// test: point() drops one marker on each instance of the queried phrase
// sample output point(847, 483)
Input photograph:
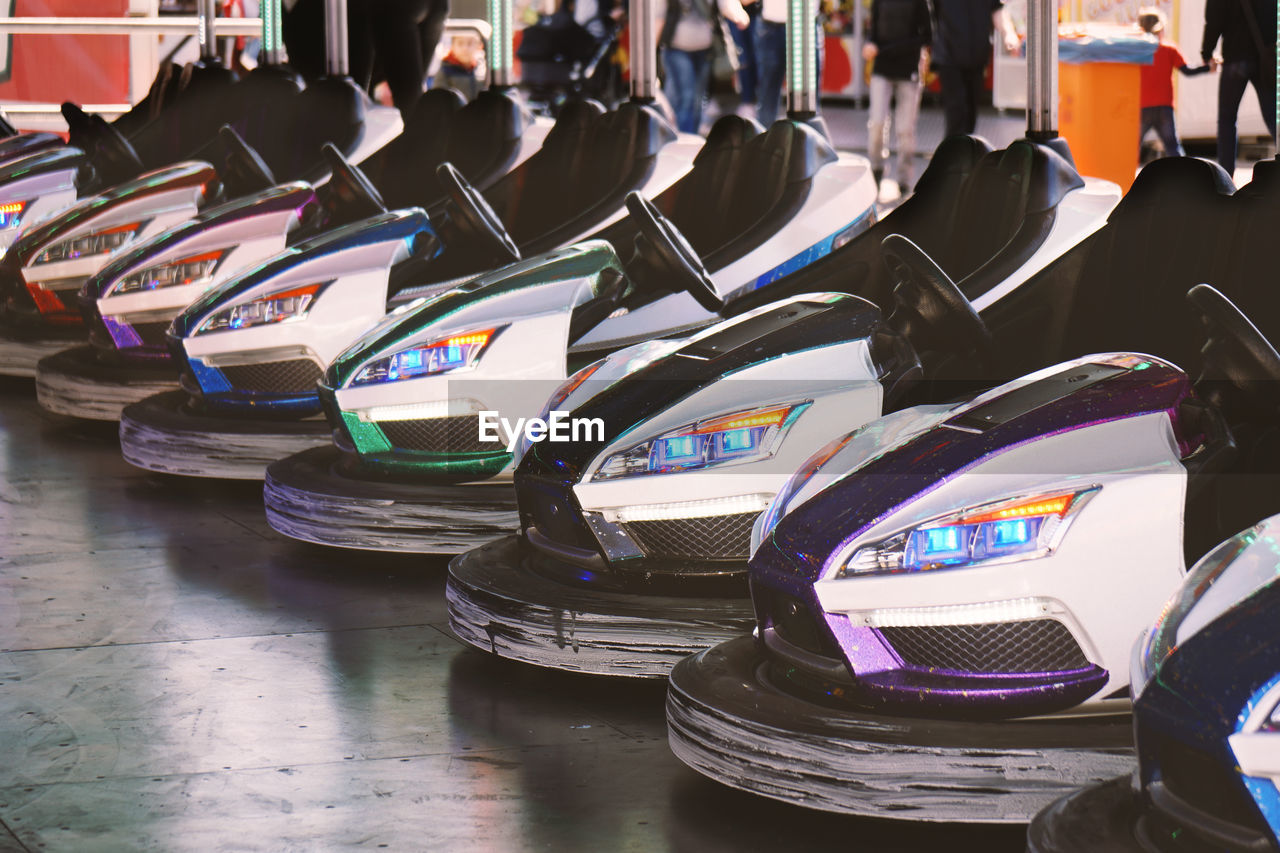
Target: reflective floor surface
point(175, 676)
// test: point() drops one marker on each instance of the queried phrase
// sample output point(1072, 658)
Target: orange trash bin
point(1099, 109)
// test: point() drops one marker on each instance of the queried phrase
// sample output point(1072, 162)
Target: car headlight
point(291, 304)
point(196, 269)
point(744, 436)
point(93, 243)
point(11, 214)
point(553, 402)
point(446, 355)
point(1022, 528)
point(1162, 639)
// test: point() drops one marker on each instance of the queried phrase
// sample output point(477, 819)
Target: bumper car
point(405, 447)
point(602, 541)
point(45, 268)
point(1206, 719)
point(129, 303)
point(810, 177)
point(945, 598)
point(266, 108)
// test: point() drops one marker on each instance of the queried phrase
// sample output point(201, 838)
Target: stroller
point(561, 60)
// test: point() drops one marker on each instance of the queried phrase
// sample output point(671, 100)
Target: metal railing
point(33, 116)
point(181, 25)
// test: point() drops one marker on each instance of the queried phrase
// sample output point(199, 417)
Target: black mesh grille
point(439, 435)
point(152, 334)
point(1205, 784)
point(294, 375)
point(716, 537)
point(1037, 645)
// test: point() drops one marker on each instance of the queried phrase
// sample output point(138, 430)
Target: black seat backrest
point(330, 109)
point(404, 171)
point(697, 204)
point(1250, 259)
point(1020, 198)
point(486, 136)
point(617, 151)
point(857, 267)
point(164, 88)
point(771, 185)
point(1006, 190)
point(1170, 232)
point(557, 162)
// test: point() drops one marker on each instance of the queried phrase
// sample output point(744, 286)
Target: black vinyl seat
point(582, 173)
point(1008, 208)
point(928, 219)
point(764, 194)
point(698, 203)
point(481, 138)
point(1125, 288)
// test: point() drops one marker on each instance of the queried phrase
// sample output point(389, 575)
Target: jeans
point(961, 88)
point(771, 59)
point(687, 73)
point(1232, 80)
point(907, 108)
point(1161, 118)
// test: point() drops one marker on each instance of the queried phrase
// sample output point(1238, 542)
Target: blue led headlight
point(446, 355)
point(1023, 528)
point(743, 436)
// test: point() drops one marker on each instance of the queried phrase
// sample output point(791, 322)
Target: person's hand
point(1215, 64)
point(923, 68)
point(869, 51)
point(740, 19)
point(1012, 44)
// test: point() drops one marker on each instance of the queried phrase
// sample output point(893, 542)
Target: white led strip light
point(421, 411)
point(734, 505)
point(1013, 610)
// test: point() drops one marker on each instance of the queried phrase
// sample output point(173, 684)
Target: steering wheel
point(1234, 349)
point(474, 216)
point(674, 253)
point(928, 307)
point(349, 188)
point(243, 167)
point(113, 157)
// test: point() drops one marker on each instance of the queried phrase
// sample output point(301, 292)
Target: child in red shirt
point(1157, 84)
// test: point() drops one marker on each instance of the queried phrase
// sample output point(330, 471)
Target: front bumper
point(732, 718)
point(325, 496)
point(163, 433)
point(500, 602)
point(84, 382)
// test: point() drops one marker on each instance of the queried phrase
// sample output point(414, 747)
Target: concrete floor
point(175, 676)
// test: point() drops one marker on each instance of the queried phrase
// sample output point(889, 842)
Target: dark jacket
point(962, 32)
point(899, 28)
point(1226, 19)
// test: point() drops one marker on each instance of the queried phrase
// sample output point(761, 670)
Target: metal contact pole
point(337, 60)
point(802, 59)
point(1042, 70)
point(644, 51)
point(206, 36)
point(501, 57)
point(272, 49)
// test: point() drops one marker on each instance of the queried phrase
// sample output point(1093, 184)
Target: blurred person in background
point(391, 40)
point(690, 29)
point(1247, 29)
point(961, 50)
point(898, 48)
point(1156, 97)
